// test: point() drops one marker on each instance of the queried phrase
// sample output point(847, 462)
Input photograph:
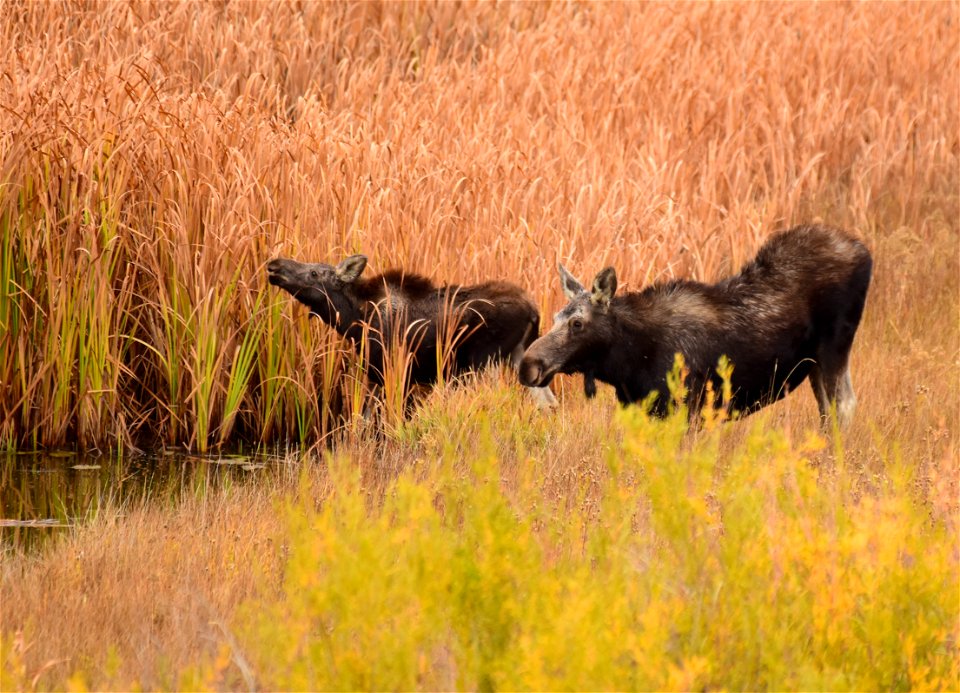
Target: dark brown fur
point(489, 322)
point(790, 314)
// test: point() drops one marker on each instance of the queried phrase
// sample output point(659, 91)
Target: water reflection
point(44, 493)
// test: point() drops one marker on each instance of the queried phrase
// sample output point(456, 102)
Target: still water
point(43, 494)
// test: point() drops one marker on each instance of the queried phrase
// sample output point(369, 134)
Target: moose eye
point(576, 324)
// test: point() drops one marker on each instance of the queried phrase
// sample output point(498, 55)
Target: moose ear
point(571, 287)
point(604, 287)
point(350, 269)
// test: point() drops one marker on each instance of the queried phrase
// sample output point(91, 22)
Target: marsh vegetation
point(155, 157)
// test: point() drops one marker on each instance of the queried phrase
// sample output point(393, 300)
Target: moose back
point(789, 315)
point(460, 328)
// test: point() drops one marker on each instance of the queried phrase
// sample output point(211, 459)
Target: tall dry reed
point(154, 156)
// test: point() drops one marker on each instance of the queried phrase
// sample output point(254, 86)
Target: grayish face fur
point(295, 277)
point(324, 289)
point(577, 329)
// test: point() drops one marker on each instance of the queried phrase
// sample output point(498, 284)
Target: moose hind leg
point(846, 399)
point(817, 382)
point(834, 386)
point(834, 353)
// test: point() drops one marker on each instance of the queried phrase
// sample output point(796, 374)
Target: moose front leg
point(589, 385)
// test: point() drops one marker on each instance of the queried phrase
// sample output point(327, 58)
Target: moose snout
point(275, 270)
point(531, 372)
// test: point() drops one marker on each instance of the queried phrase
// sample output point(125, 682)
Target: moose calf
point(484, 323)
point(791, 313)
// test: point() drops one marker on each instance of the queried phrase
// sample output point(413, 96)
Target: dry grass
point(153, 157)
point(146, 180)
point(161, 596)
point(145, 575)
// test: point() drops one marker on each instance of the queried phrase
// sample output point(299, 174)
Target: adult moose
point(484, 323)
point(791, 313)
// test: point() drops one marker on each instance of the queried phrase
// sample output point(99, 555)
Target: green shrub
point(764, 566)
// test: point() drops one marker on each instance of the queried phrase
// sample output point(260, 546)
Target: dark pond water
point(44, 494)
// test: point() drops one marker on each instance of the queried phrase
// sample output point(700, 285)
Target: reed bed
point(150, 170)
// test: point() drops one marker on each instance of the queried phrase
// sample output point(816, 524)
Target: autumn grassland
point(153, 158)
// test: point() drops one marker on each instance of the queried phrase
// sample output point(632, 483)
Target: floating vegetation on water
point(49, 522)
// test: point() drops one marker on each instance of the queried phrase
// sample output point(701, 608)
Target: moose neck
point(338, 309)
point(627, 359)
